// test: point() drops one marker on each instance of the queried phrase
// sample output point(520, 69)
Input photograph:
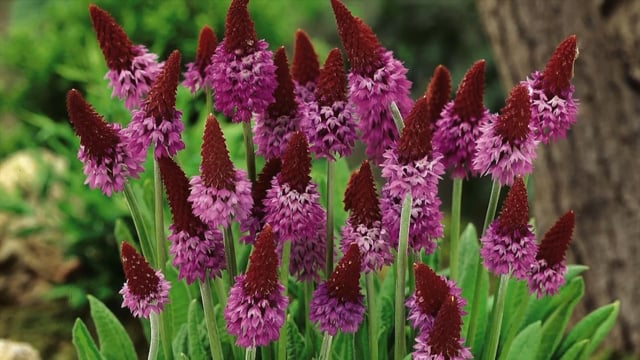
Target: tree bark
point(596, 170)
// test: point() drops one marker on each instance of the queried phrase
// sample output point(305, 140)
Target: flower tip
point(262, 275)
point(554, 245)
point(161, 100)
point(431, 289)
point(468, 102)
point(361, 197)
point(332, 82)
point(559, 69)
point(438, 91)
point(305, 67)
point(97, 138)
point(515, 210)
point(114, 42)
point(513, 121)
point(217, 169)
point(141, 278)
point(240, 33)
point(296, 163)
point(444, 338)
point(285, 103)
point(177, 187)
point(415, 140)
point(343, 282)
point(207, 42)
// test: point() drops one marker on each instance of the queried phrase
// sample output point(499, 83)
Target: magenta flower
point(458, 128)
point(293, 209)
point(255, 309)
point(145, 290)
point(198, 250)
point(431, 293)
point(158, 122)
point(437, 93)
point(337, 304)
point(553, 107)
point(376, 80)
point(132, 69)
point(221, 194)
point(506, 147)
point(255, 221)
point(548, 271)
point(104, 148)
point(195, 78)
point(241, 70)
point(274, 126)
point(508, 244)
point(364, 225)
point(413, 167)
point(305, 68)
point(329, 118)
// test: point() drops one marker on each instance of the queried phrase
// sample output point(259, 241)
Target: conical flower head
point(114, 42)
point(285, 104)
point(217, 168)
point(515, 210)
point(559, 69)
point(360, 197)
point(161, 102)
point(438, 92)
point(443, 341)
point(255, 222)
point(468, 102)
point(431, 289)
point(296, 163)
point(343, 282)
point(177, 187)
point(195, 78)
point(240, 33)
point(415, 140)
point(332, 82)
point(262, 274)
point(96, 136)
point(513, 121)
point(305, 67)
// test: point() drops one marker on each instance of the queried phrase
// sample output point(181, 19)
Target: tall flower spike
point(458, 128)
point(508, 245)
point(412, 167)
point(274, 127)
point(145, 290)
point(198, 251)
point(159, 122)
point(548, 271)
point(104, 149)
point(221, 194)
point(364, 225)
point(195, 76)
point(553, 107)
point(255, 222)
point(329, 120)
point(506, 147)
point(293, 209)
point(376, 80)
point(241, 72)
point(305, 68)
point(132, 69)
point(432, 290)
point(337, 304)
point(255, 310)
point(438, 93)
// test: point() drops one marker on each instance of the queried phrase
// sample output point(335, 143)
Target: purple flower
point(376, 80)
point(241, 72)
point(255, 309)
point(305, 68)
point(508, 244)
point(255, 221)
point(195, 76)
point(145, 290)
point(198, 251)
point(506, 148)
point(548, 271)
point(158, 122)
point(104, 148)
point(132, 69)
point(337, 303)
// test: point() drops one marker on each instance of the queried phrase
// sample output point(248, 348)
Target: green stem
point(284, 280)
point(325, 350)
point(330, 205)
point(139, 223)
point(250, 354)
point(266, 352)
point(230, 253)
point(496, 319)
point(401, 263)
point(397, 117)
point(250, 154)
point(153, 346)
point(456, 201)
point(209, 100)
point(161, 252)
point(210, 320)
point(475, 304)
point(372, 317)
point(221, 294)
point(308, 293)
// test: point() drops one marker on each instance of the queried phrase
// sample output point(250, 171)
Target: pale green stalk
point(153, 345)
point(210, 320)
point(161, 252)
point(372, 317)
point(307, 294)
point(139, 223)
point(401, 266)
point(208, 100)
point(250, 354)
point(325, 350)
point(330, 205)
point(284, 279)
point(249, 150)
point(397, 117)
point(496, 319)
point(456, 200)
point(230, 253)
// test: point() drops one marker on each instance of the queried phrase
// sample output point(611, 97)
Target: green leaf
point(595, 326)
point(196, 348)
point(180, 298)
point(122, 233)
point(114, 342)
point(83, 342)
point(577, 351)
point(295, 340)
point(574, 270)
point(514, 311)
point(526, 344)
point(541, 309)
point(179, 343)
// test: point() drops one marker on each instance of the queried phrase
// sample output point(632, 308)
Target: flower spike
point(438, 93)
point(468, 102)
point(255, 222)
point(513, 122)
point(195, 76)
point(415, 140)
point(240, 33)
point(296, 161)
point(305, 67)
point(559, 69)
point(114, 42)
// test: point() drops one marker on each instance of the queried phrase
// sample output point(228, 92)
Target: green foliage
point(85, 346)
point(114, 342)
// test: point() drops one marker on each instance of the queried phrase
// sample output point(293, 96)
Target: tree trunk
point(596, 170)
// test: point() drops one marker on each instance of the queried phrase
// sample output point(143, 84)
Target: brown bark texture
point(596, 170)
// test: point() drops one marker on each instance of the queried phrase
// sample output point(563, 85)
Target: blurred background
point(57, 241)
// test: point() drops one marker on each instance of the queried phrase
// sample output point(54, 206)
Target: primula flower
point(145, 290)
point(305, 68)
point(195, 78)
point(132, 69)
point(198, 250)
point(508, 244)
point(432, 291)
point(158, 122)
point(337, 304)
point(275, 125)
point(506, 147)
point(437, 93)
point(413, 167)
point(458, 128)
point(241, 72)
point(553, 107)
point(255, 310)
point(221, 194)
point(329, 120)
point(104, 148)
point(293, 209)
point(376, 80)
point(255, 221)
point(443, 341)
point(548, 271)
point(364, 225)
